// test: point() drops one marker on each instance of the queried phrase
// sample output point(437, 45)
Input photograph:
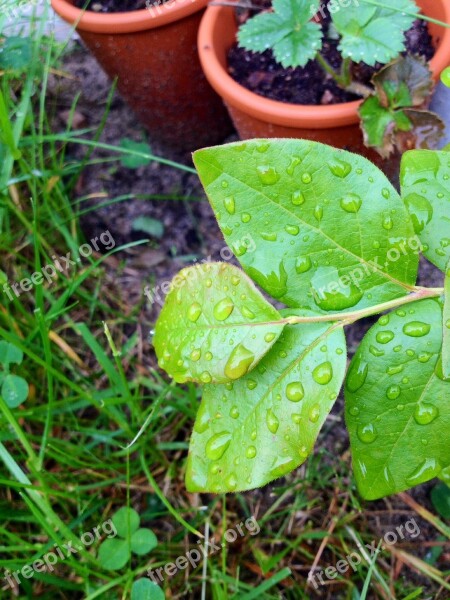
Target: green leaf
point(446, 327)
point(397, 408)
point(131, 161)
point(144, 589)
point(143, 541)
point(440, 497)
point(265, 424)
point(288, 31)
point(425, 177)
point(326, 226)
point(113, 554)
point(14, 390)
point(445, 77)
point(215, 325)
point(150, 226)
point(16, 53)
point(10, 354)
point(126, 521)
point(372, 34)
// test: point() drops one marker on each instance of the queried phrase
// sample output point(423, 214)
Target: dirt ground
point(191, 233)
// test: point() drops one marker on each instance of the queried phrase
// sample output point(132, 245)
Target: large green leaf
point(397, 402)
point(329, 232)
point(265, 425)
point(288, 31)
point(425, 181)
point(212, 328)
point(372, 34)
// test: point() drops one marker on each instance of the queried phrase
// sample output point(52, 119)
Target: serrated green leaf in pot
point(264, 425)
point(397, 402)
point(325, 223)
point(215, 325)
point(425, 184)
point(372, 34)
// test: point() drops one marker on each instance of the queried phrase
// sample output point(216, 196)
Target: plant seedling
point(114, 553)
point(395, 107)
point(14, 389)
point(334, 242)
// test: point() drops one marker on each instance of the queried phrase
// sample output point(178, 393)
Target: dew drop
point(252, 384)
point(295, 391)
point(247, 313)
point(246, 217)
point(217, 445)
point(394, 370)
point(340, 168)
point(357, 375)
point(429, 469)
point(314, 413)
point(367, 433)
point(384, 337)
point(232, 482)
point(425, 413)
point(234, 412)
point(239, 362)
point(388, 223)
point(195, 355)
point(268, 175)
point(269, 337)
point(251, 452)
point(420, 210)
point(272, 421)
point(416, 329)
point(354, 411)
point(205, 377)
point(223, 309)
point(393, 392)
point(303, 264)
point(386, 193)
point(351, 203)
point(318, 213)
point(269, 237)
point(298, 198)
point(295, 161)
point(292, 229)
point(194, 312)
point(230, 205)
point(307, 178)
point(323, 374)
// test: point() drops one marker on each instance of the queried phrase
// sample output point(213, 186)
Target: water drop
point(217, 445)
point(292, 229)
point(239, 362)
point(232, 482)
point(194, 312)
point(295, 161)
point(272, 421)
point(416, 329)
point(367, 433)
point(357, 375)
point(298, 198)
point(393, 392)
point(251, 452)
point(384, 337)
point(246, 217)
point(340, 168)
point(252, 384)
point(202, 420)
point(386, 193)
point(425, 413)
point(247, 313)
point(429, 469)
point(303, 264)
point(351, 203)
point(295, 391)
point(318, 213)
point(314, 413)
point(268, 175)
point(205, 377)
point(269, 337)
point(230, 205)
point(354, 411)
point(223, 309)
point(195, 355)
point(306, 178)
point(323, 374)
point(388, 223)
point(234, 412)
point(420, 210)
point(394, 370)
point(269, 237)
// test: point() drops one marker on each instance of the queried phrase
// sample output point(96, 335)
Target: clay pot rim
point(126, 22)
point(280, 113)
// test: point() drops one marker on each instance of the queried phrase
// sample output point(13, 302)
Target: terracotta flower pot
point(153, 53)
point(255, 116)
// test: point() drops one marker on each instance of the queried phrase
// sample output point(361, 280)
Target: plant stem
point(419, 294)
point(329, 69)
point(407, 12)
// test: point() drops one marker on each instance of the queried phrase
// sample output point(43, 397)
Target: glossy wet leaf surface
point(425, 182)
point(209, 329)
point(265, 424)
point(397, 402)
point(446, 327)
point(329, 232)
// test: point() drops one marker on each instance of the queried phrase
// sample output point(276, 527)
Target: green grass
point(102, 429)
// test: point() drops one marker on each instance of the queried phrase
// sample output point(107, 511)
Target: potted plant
point(153, 54)
point(323, 232)
point(296, 38)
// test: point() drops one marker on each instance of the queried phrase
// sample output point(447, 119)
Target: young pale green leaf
point(14, 390)
point(263, 426)
point(143, 541)
point(288, 31)
point(113, 554)
point(215, 325)
point(446, 327)
point(145, 589)
point(10, 354)
point(328, 230)
point(425, 182)
point(372, 34)
point(397, 408)
point(126, 521)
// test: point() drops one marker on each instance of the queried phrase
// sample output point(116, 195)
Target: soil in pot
point(113, 6)
point(261, 74)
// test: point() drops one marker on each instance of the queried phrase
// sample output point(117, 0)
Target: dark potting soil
point(260, 73)
point(116, 6)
